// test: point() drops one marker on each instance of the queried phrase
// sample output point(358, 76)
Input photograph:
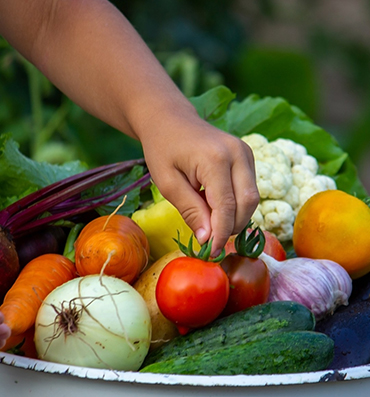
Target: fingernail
point(216, 253)
point(201, 235)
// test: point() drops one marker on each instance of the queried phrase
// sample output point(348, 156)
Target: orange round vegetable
point(115, 242)
point(36, 280)
point(334, 225)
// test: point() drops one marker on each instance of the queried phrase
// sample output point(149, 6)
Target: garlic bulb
point(320, 285)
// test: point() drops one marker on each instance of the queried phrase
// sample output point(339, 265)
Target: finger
point(191, 205)
point(233, 196)
point(245, 190)
point(221, 199)
point(4, 332)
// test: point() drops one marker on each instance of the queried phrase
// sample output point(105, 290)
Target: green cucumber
point(247, 325)
point(277, 353)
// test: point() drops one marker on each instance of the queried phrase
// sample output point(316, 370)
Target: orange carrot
point(115, 242)
point(36, 280)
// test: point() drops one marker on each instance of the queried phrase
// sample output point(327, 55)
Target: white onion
point(320, 285)
point(111, 326)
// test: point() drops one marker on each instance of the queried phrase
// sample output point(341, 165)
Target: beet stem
point(24, 216)
point(50, 192)
point(20, 229)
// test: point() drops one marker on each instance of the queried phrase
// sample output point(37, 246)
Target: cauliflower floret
point(292, 197)
point(308, 183)
point(301, 175)
point(273, 170)
point(278, 217)
point(271, 182)
point(271, 154)
point(294, 151)
point(297, 154)
point(255, 141)
point(317, 184)
point(311, 163)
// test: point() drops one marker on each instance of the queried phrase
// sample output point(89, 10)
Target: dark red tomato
point(191, 292)
point(249, 282)
point(273, 246)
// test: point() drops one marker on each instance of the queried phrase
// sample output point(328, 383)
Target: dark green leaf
point(124, 180)
point(20, 174)
point(268, 116)
point(213, 104)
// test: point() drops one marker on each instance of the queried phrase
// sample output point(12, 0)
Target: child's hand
point(185, 153)
point(4, 331)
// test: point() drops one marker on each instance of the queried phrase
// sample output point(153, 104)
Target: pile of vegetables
point(128, 288)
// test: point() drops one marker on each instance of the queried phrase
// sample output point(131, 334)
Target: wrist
point(162, 117)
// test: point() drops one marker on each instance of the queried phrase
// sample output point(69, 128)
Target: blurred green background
point(314, 53)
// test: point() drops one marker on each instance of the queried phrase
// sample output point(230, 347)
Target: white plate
point(21, 376)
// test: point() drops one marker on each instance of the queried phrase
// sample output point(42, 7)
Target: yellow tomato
point(335, 225)
point(160, 222)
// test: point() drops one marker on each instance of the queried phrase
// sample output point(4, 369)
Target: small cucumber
point(278, 353)
point(247, 325)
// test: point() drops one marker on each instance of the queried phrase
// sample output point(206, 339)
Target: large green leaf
point(213, 104)
point(268, 116)
point(20, 175)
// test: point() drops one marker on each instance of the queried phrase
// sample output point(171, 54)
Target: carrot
point(36, 280)
point(114, 242)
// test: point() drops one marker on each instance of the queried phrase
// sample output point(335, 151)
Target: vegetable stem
point(251, 246)
point(72, 211)
point(204, 253)
point(69, 250)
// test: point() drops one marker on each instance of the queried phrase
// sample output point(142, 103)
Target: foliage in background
point(354, 58)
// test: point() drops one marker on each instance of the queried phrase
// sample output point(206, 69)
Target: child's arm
point(89, 50)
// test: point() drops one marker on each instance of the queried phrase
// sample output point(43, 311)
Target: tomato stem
point(204, 253)
point(253, 245)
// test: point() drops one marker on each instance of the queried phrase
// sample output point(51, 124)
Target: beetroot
point(50, 239)
point(9, 263)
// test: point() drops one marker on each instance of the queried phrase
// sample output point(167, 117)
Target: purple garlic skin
point(320, 285)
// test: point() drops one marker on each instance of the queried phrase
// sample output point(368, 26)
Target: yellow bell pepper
point(161, 222)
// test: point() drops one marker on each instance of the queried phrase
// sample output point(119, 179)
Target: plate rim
point(325, 376)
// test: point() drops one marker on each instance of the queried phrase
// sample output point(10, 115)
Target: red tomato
point(273, 246)
point(191, 292)
point(249, 282)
